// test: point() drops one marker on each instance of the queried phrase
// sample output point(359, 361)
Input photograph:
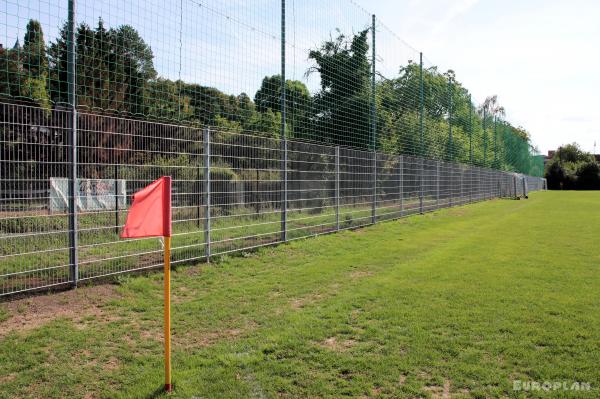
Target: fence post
point(374, 199)
point(437, 184)
point(484, 137)
point(421, 141)
point(470, 130)
point(480, 184)
point(207, 189)
point(421, 185)
point(73, 191)
point(471, 183)
point(495, 143)
point(515, 185)
point(199, 190)
point(284, 194)
point(462, 178)
point(337, 187)
point(401, 175)
point(373, 123)
point(450, 142)
point(116, 199)
point(525, 193)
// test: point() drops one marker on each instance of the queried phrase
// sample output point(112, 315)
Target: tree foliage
point(116, 74)
point(571, 168)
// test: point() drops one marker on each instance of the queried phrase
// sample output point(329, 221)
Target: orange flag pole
point(167, 260)
point(150, 216)
point(167, 294)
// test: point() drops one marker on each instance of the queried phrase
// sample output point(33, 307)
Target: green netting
point(349, 80)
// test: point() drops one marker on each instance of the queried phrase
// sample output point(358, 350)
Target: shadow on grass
point(159, 393)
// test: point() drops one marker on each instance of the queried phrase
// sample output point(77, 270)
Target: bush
point(588, 176)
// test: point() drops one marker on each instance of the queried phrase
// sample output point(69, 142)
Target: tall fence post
point(207, 190)
point(401, 175)
point(450, 142)
point(337, 187)
point(421, 141)
point(470, 130)
point(525, 193)
point(284, 199)
point(421, 170)
point(515, 185)
point(284, 193)
point(73, 191)
point(484, 137)
point(373, 124)
point(495, 143)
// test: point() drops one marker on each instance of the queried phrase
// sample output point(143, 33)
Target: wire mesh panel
point(119, 156)
point(246, 191)
point(356, 187)
point(388, 187)
point(411, 179)
point(311, 182)
point(34, 212)
point(276, 119)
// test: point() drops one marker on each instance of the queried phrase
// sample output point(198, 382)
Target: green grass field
point(456, 303)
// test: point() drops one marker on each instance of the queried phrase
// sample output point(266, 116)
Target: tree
point(298, 104)
point(572, 168)
point(114, 68)
point(588, 176)
point(342, 106)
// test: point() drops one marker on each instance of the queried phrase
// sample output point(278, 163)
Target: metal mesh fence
point(347, 126)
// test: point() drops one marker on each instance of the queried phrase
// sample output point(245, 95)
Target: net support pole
point(337, 187)
point(284, 154)
point(421, 143)
point(450, 142)
point(470, 149)
point(421, 172)
point(207, 194)
point(72, 95)
point(484, 138)
point(495, 143)
point(373, 123)
point(284, 190)
point(470, 130)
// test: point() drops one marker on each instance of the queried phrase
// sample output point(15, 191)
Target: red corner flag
point(150, 216)
point(150, 212)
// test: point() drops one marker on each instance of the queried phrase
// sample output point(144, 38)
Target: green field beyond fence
point(460, 302)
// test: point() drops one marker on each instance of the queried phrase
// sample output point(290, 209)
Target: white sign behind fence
point(92, 194)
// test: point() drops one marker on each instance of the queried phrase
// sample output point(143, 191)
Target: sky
point(539, 57)
point(542, 58)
